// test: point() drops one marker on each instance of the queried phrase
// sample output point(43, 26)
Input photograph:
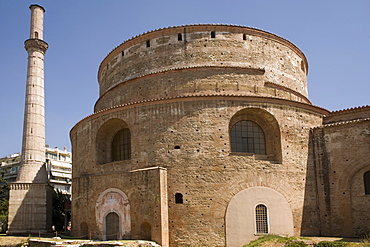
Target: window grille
point(247, 137)
point(121, 145)
point(261, 219)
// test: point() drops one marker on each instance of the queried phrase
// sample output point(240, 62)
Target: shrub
point(330, 244)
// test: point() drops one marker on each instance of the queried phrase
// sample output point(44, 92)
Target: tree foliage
point(4, 203)
point(59, 214)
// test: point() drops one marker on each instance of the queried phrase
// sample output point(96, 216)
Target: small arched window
point(148, 43)
point(213, 34)
point(247, 137)
point(179, 37)
point(121, 145)
point(36, 35)
point(367, 182)
point(261, 219)
point(178, 198)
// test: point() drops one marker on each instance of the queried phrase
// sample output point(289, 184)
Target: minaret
point(30, 195)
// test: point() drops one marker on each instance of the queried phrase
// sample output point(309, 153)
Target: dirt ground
point(11, 240)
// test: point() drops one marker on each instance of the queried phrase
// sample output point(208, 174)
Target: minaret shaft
point(33, 145)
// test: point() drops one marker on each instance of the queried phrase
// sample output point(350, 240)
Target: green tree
point(58, 209)
point(4, 203)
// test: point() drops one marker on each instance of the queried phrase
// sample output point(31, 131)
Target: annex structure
point(204, 135)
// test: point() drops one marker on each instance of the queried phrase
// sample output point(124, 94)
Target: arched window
point(36, 35)
point(247, 137)
point(367, 182)
point(213, 34)
point(261, 219)
point(179, 37)
point(178, 198)
point(121, 145)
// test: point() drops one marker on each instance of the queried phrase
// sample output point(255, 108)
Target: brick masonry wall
point(341, 159)
point(203, 166)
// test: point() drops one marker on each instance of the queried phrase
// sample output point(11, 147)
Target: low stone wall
point(87, 243)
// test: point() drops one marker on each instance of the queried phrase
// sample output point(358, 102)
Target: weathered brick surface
point(180, 99)
point(341, 159)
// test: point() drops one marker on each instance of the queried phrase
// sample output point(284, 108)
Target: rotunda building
point(200, 137)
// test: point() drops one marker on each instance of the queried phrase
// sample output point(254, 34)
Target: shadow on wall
point(311, 225)
point(30, 206)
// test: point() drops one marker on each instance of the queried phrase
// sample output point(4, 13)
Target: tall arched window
point(261, 219)
point(367, 182)
point(247, 137)
point(121, 145)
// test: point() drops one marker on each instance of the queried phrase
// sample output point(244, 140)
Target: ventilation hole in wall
point(196, 176)
point(344, 193)
point(213, 34)
point(205, 45)
point(200, 167)
point(198, 150)
point(244, 36)
point(219, 129)
point(220, 115)
point(322, 184)
point(220, 136)
point(225, 167)
point(334, 171)
point(326, 215)
point(196, 130)
point(332, 183)
point(346, 160)
point(171, 131)
point(148, 43)
point(177, 147)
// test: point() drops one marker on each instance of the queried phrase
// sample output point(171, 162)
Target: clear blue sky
point(333, 34)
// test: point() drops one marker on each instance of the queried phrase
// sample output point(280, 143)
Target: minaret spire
point(30, 196)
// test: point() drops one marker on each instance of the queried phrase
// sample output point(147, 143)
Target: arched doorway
point(112, 212)
point(112, 226)
point(146, 231)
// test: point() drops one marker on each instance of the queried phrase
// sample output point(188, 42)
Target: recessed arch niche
point(269, 125)
point(104, 139)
